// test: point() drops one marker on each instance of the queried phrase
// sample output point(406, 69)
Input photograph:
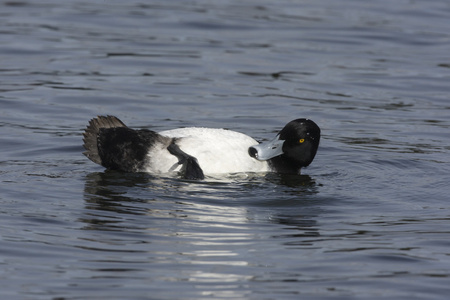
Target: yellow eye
point(301, 140)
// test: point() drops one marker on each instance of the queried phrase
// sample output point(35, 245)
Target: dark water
point(369, 219)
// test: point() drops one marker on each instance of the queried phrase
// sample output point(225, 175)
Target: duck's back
point(217, 150)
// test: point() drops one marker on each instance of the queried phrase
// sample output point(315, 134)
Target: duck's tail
point(90, 135)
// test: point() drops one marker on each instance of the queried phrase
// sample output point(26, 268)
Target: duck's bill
point(267, 150)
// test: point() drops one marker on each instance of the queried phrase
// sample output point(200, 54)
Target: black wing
point(191, 168)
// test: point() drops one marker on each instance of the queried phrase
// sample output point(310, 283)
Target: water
point(369, 219)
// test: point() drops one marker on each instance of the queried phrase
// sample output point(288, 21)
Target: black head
point(294, 147)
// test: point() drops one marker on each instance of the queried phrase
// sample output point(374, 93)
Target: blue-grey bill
point(267, 150)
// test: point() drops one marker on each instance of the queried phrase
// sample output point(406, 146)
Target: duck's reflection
point(210, 229)
point(108, 191)
point(284, 199)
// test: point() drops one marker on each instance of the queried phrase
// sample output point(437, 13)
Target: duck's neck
point(284, 165)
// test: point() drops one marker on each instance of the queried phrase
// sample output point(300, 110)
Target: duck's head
point(293, 147)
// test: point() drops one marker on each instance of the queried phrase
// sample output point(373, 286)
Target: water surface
point(369, 219)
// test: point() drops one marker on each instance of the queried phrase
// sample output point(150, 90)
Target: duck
point(194, 152)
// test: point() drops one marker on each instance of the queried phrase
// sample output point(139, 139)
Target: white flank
point(217, 151)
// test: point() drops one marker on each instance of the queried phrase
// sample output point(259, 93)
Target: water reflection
point(160, 197)
point(204, 232)
point(230, 201)
point(183, 237)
